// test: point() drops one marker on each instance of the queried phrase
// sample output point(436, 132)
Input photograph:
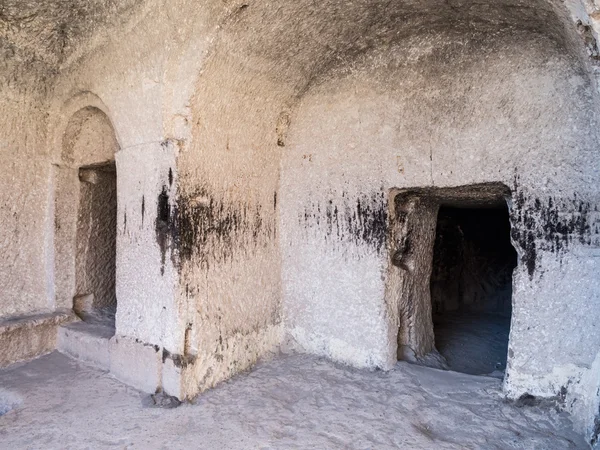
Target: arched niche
point(85, 212)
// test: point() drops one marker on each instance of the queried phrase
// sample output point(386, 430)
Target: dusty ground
point(290, 402)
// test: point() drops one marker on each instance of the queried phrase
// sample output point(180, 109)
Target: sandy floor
point(475, 343)
point(290, 402)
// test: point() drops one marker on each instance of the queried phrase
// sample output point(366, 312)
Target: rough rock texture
point(413, 233)
point(257, 146)
point(84, 209)
point(23, 185)
point(89, 342)
point(95, 259)
point(386, 124)
point(413, 237)
point(26, 337)
point(146, 277)
point(56, 31)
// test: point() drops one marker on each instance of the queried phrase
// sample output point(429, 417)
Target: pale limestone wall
point(221, 130)
point(24, 263)
point(36, 38)
point(154, 96)
point(89, 139)
point(24, 186)
point(135, 79)
point(378, 96)
point(514, 111)
point(227, 253)
point(146, 278)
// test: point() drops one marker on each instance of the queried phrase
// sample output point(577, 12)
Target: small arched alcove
point(85, 217)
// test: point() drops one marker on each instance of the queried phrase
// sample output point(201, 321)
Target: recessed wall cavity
point(471, 287)
point(85, 203)
point(96, 241)
point(450, 251)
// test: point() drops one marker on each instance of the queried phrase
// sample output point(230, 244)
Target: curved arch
point(262, 63)
point(84, 144)
point(89, 138)
point(62, 116)
point(333, 35)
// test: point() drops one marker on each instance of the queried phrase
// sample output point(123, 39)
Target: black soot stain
point(551, 224)
point(209, 229)
point(143, 208)
point(180, 361)
point(362, 220)
point(163, 226)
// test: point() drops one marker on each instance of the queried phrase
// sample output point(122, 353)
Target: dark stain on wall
point(595, 431)
point(163, 225)
point(551, 224)
point(143, 209)
point(362, 220)
point(180, 361)
point(163, 212)
point(210, 229)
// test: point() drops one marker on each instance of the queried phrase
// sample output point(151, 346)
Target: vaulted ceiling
point(50, 31)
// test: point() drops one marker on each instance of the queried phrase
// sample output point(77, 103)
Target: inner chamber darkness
point(95, 299)
point(471, 288)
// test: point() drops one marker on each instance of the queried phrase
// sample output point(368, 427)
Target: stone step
point(88, 342)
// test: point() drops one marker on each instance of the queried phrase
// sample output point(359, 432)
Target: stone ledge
point(129, 360)
point(86, 342)
point(26, 337)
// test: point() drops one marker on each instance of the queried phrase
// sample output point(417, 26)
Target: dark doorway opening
point(95, 263)
point(471, 288)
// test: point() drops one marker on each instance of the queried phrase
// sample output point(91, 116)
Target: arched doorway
point(85, 218)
